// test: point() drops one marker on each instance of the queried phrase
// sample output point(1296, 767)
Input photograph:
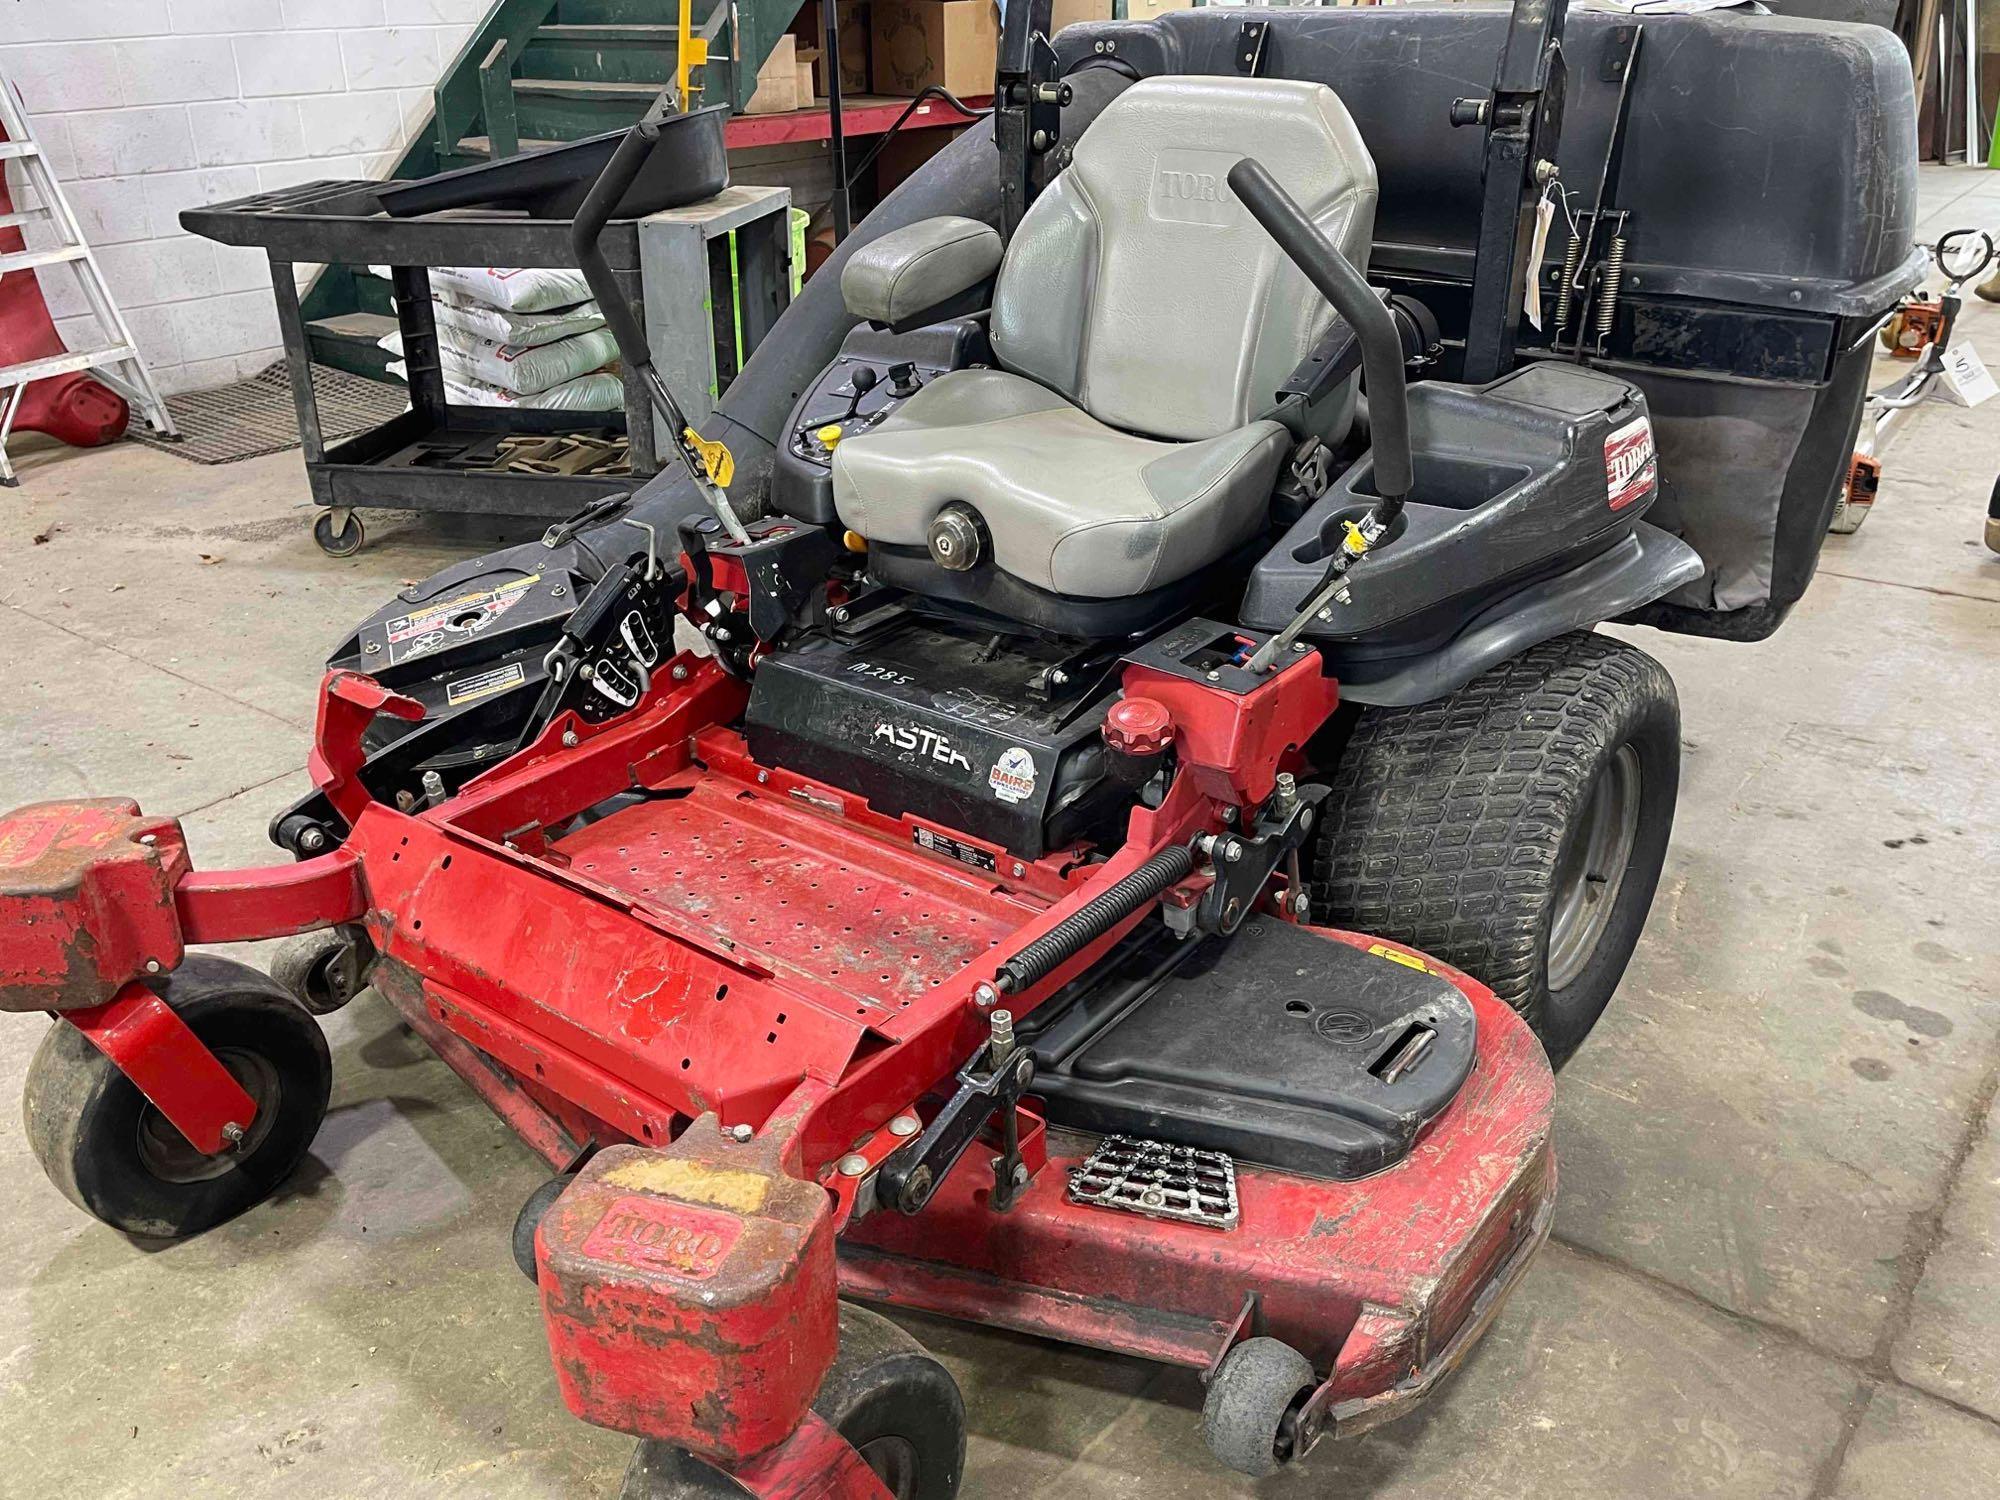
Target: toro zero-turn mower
point(1147, 807)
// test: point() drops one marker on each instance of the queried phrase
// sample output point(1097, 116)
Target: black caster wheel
point(898, 1407)
point(339, 541)
point(529, 1219)
point(326, 969)
point(114, 1155)
point(1250, 1416)
point(1993, 504)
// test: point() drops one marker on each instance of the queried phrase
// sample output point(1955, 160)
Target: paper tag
point(1966, 378)
point(1531, 301)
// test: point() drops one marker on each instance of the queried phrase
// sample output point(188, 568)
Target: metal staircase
point(537, 72)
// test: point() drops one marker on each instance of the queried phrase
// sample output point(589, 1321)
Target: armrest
point(917, 273)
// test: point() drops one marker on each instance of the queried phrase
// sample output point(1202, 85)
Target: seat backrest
point(1136, 284)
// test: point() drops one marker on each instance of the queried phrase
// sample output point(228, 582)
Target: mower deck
point(837, 916)
point(1384, 1281)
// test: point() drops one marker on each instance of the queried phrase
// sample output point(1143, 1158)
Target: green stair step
point(568, 109)
point(611, 54)
point(616, 12)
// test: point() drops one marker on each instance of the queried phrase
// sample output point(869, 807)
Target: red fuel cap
point(1138, 726)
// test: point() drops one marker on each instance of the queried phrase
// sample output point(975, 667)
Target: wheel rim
point(894, 1460)
point(1592, 866)
point(171, 1157)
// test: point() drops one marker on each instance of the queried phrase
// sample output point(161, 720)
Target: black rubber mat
point(257, 416)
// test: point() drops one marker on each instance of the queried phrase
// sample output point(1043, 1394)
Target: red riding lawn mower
point(1143, 815)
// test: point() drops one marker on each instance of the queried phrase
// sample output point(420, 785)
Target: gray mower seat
point(1143, 320)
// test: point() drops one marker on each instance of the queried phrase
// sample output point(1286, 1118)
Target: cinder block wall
point(147, 107)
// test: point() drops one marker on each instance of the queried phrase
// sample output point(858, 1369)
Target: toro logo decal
point(925, 744)
point(655, 1234)
point(1631, 467)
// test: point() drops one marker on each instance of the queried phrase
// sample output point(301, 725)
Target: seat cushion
point(1072, 506)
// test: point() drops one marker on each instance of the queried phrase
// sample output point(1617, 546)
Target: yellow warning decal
point(1397, 956)
point(715, 457)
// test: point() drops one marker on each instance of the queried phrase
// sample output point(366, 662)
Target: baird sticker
point(1013, 775)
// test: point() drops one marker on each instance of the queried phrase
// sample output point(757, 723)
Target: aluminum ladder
point(118, 362)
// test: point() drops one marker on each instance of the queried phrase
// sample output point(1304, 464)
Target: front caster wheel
point(114, 1155)
point(896, 1406)
point(324, 970)
point(1250, 1416)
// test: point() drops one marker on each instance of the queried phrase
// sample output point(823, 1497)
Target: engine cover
point(927, 719)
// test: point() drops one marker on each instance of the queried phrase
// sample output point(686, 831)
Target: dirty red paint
point(169, 1064)
point(86, 902)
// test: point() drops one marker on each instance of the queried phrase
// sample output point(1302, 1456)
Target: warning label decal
point(485, 684)
point(434, 625)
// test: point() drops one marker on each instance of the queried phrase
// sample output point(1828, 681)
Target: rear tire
point(113, 1155)
point(897, 1406)
point(1515, 828)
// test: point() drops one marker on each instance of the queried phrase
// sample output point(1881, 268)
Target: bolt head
point(742, 1132)
point(840, 615)
point(763, 778)
point(233, 1133)
point(371, 648)
point(152, 966)
point(984, 996)
point(680, 672)
point(1019, 869)
point(1302, 906)
point(1232, 851)
point(569, 738)
point(558, 591)
point(149, 838)
point(854, 1164)
point(312, 840)
point(903, 1126)
point(1215, 676)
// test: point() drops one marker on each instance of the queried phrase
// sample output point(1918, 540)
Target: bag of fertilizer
point(601, 390)
point(519, 289)
point(531, 329)
point(519, 368)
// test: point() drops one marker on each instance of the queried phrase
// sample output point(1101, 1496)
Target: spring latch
point(1566, 283)
point(1610, 277)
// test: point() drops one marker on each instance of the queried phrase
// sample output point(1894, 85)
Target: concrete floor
point(1774, 1270)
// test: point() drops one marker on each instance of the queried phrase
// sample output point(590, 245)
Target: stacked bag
point(524, 337)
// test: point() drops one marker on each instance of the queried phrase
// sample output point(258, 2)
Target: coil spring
point(1566, 283)
point(1095, 918)
point(1610, 275)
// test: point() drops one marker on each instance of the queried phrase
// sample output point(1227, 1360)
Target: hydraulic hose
point(1094, 918)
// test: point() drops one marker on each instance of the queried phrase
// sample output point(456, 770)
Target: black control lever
point(708, 463)
point(1381, 364)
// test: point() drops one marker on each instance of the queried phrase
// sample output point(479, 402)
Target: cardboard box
point(777, 81)
point(1069, 12)
point(917, 43)
point(854, 46)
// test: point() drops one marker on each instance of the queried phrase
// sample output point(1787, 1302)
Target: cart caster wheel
point(115, 1156)
point(342, 542)
point(1993, 508)
point(323, 970)
point(897, 1406)
point(1252, 1406)
point(529, 1219)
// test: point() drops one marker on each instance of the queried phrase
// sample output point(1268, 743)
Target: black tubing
point(1094, 918)
point(594, 213)
point(1381, 345)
